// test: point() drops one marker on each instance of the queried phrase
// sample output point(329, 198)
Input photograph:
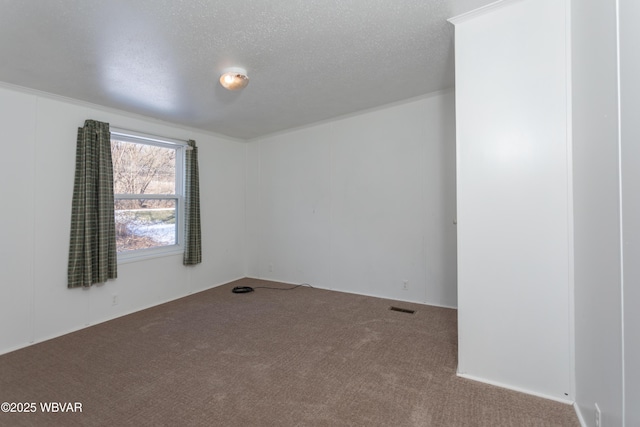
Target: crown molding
point(491, 7)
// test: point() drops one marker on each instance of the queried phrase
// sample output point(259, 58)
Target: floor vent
point(402, 310)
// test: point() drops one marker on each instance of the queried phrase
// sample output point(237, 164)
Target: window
point(148, 193)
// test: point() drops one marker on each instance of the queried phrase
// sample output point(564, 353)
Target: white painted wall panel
point(222, 170)
point(57, 309)
point(630, 107)
point(17, 134)
point(378, 209)
point(598, 311)
point(139, 285)
point(38, 304)
point(360, 204)
point(441, 267)
point(513, 200)
point(252, 211)
point(294, 207)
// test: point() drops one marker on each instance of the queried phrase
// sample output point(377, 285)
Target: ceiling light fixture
point(234, 78)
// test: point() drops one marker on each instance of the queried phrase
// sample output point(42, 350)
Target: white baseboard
point(358, 293)
point(583, 423)
point(566, 401)
point(106, 319)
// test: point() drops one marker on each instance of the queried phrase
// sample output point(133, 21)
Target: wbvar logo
point(61, 407)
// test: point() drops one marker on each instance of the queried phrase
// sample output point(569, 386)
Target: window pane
point(145, 223)
point(143, 168)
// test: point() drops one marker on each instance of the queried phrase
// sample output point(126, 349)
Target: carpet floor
point(301, 357)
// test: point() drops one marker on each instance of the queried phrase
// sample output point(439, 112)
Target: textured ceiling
point(307, 60)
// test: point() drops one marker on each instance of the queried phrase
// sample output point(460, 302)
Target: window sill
point(146, 254)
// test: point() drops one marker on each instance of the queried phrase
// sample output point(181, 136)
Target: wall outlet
point(405, 285)
point(270, 268)
point(114, 299)
point(598, 416)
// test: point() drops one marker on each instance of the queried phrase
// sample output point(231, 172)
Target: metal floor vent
point(402, 310)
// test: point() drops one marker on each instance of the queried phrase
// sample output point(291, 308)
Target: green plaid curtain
point(92, 250)
point(192, 238)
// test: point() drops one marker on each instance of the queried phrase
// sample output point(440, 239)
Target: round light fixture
point(234, 78)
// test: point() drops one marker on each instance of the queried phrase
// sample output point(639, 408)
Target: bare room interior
point(414, 213)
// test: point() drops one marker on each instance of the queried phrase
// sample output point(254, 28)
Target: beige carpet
point(304, 357)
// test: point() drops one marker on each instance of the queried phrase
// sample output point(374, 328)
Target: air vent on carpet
point(402, 310)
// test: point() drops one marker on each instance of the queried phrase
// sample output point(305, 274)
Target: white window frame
point(180, 147)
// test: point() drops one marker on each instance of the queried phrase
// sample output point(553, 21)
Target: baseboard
point(155, 304)
point(395, 299)
point(107, 319)
point(566, 401)
point(583, 423)
point(145, 307)
point(359, 293)
point(281, 281)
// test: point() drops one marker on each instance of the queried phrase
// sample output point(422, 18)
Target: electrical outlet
point(270, 268)
point(114, 299)
point(598, 416)
point(405, 285)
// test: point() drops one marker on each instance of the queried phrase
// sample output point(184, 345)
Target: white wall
point(359, 204)
point(630, 154)
point(514, 233)
point(17, 124)
point(38, 133)
point(598, 335)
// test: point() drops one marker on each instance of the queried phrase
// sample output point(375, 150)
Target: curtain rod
point(127, 132)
